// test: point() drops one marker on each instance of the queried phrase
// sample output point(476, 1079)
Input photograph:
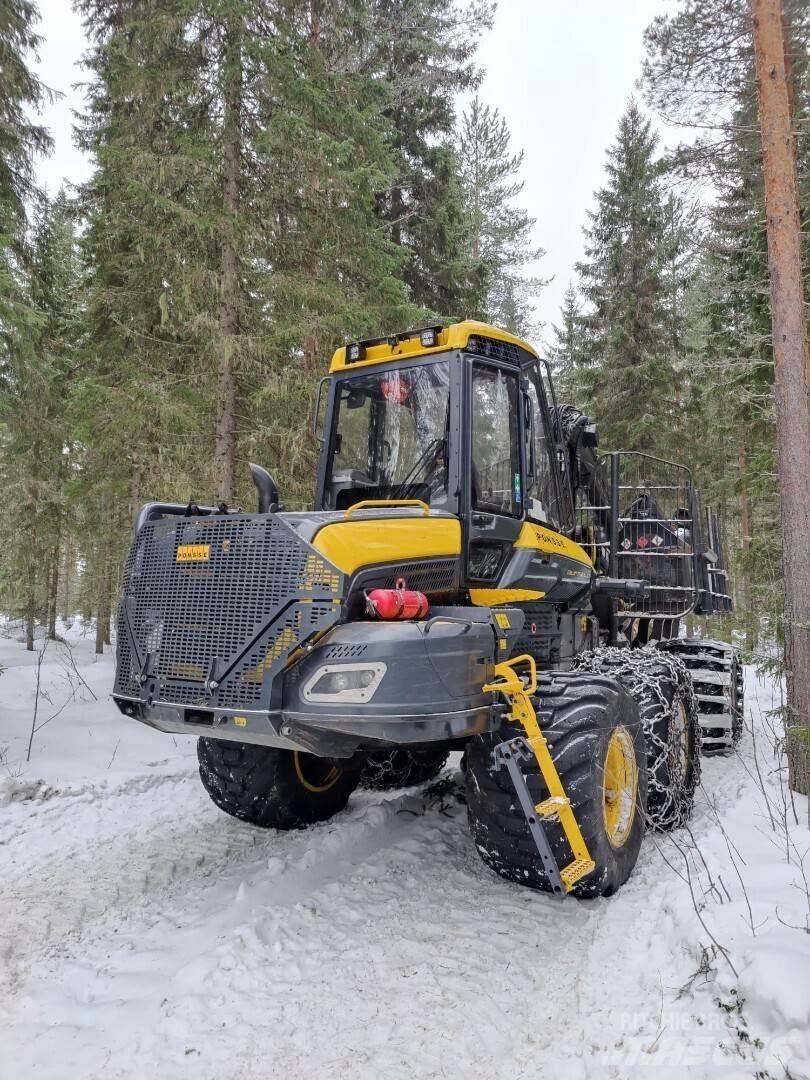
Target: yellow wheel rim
point(619, 787)
point(314, 773)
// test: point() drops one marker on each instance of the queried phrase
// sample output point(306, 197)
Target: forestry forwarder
point(473, 576)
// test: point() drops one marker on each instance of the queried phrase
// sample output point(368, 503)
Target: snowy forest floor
point(145, 934)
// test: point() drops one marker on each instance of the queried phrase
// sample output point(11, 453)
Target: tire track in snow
point(91, 863)
point(381, 925)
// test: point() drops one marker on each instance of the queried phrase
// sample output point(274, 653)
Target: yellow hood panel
point(350, 545)
point(535, 536)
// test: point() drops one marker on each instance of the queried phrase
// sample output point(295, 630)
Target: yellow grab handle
point(365, 504)
point(511, 682)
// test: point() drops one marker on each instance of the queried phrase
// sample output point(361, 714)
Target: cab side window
point(546, 496)
point(496, 474)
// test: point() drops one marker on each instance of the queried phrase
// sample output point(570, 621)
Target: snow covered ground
point(143, 934)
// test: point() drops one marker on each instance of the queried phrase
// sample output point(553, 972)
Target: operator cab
point(460, 419)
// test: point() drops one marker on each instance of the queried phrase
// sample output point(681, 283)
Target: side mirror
point(316, 414)
point(266, 487)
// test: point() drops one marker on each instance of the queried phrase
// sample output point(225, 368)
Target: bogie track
point(717, 675)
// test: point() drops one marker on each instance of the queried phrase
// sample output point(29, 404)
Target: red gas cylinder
point(398, 603)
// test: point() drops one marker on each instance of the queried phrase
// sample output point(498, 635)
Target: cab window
point(546, 490)
point(389, 437)
point(496, 474)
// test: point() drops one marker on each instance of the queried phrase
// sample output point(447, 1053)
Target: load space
point(474, 577)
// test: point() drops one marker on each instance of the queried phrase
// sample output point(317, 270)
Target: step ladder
point(518, 690)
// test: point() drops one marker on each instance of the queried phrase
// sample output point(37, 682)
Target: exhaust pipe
point(265, 485)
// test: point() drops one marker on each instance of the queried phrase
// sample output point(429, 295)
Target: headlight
point(352, 683)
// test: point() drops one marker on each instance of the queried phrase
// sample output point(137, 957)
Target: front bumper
point(431, 691)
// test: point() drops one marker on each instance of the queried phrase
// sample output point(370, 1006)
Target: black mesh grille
point(539, 636)
point(343, 652)
point(494, 349)
point(250, 593)
point(434, 576)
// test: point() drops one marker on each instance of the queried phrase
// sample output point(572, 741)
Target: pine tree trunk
point(791, 370)
point(102, 585)
point(397, 214)
point(110, 577)
point(135, 490)
point(745, 544)
point(53, 587)
point(67, 573)
point(31, 563)
point(30, 603)
point(100, 593)
point(109, 598)
point(225, 449)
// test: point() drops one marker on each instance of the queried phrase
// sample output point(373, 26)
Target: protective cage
point(646, 522)
point(212, 607)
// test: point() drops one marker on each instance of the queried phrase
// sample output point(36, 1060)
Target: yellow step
point(575, 871)
point(551, 807)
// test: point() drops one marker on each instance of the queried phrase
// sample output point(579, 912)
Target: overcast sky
point(560, 71)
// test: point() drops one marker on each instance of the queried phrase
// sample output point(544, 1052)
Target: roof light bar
point(428, 338)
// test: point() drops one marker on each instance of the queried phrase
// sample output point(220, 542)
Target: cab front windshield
point(390, 437)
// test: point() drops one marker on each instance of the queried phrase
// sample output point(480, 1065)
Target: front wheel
point(596, 741)
point(275, 789)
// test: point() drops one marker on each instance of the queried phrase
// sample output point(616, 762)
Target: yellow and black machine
point(474, 576)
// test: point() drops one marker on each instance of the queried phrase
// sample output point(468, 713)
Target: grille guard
point(212, 626)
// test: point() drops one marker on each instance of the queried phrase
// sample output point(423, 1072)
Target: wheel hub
point(619, 787)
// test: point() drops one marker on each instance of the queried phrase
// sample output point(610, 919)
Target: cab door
point(520, 510)
point(549, 500)
point(497, 423)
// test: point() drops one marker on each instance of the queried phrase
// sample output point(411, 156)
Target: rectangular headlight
point(350, 683)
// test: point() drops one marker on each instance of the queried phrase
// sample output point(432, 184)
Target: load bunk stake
point(518, 693)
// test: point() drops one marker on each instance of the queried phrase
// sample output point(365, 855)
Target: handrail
point(511, 682)
point(366, 504)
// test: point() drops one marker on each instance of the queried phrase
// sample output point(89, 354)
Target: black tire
point(661, 687)
point(275, 789)
point(579, 715)
point(383, 770)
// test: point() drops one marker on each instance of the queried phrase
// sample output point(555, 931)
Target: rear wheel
point(383, 770)
point(662, 689)
point(275, 789)
point(717, 675)
point(597, 744)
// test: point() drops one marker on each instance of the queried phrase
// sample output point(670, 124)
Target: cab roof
point(410, 344)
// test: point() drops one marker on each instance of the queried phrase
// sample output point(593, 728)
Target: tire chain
point(383, 770)
point(641, 678)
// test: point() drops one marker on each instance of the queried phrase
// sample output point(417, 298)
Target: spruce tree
point(568, 352)
point(498, 232)
point(424, 53)
point(35, 438)
point(629, 379)
point(21, 140)
point(232, 228)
